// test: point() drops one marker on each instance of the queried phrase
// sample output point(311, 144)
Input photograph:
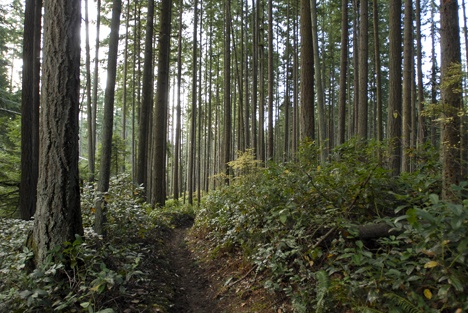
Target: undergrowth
point(92, 274)
point(297, 223)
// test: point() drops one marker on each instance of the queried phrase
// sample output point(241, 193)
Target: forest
point(233, 156)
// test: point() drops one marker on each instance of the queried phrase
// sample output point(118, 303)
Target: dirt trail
point(193, 292)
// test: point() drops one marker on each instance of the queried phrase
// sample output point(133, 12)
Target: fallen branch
point(226, 288)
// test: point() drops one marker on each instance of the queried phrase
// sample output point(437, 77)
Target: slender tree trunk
point(343, 72)
point(108, 121)
point(96, 84)
point(143, 153)
point(421, 118)
point(307, 74)
point(434, 71)
point(124, 89)
point(178, 113)
point(270, 81)
point(451, 97)
point(296, 83)
point(407, 64)
point(363, 69)
point(319, 84)
point(378, 74)
point(193, 126)
point(227, 90)
point(89, 112)
point(394, 99)
point(254, 78)
point(58, 216)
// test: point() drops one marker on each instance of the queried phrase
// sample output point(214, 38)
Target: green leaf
point(455, 282)
point(106, 311)
point(434, 198)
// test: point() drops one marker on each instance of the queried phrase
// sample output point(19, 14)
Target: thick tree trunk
point(451, 96)
point(58, 216)
point(30, 108)
point(162, 95)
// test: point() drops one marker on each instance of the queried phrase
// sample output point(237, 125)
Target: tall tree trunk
point(96, 83)
point(108, 121)
point(434, 71)
point(30, 108)
point(378, 74)
point(307, 74)
point(343, 72)
point(147, 101)
point(227, 89)
point(319, 84)
point(261, 104)
point(451, 97)
point(89, 104)
point(407, 64)
point(162, 96)
point(295, 122)
point(270, 81)
point(254, 77)
point(178, 113)
point(58, 216)
point(124, 89)
point(394, 98)
point(363, 69)
point(421, 118)
point(193, 126)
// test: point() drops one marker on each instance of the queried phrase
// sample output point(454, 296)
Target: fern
point(323, 283)
point(402, 303)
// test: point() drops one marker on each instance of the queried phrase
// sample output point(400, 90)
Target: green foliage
point(296, 221)
point(91, 275)
point(10, 166)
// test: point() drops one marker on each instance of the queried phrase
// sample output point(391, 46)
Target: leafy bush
point(92, 275)
point(295, 221)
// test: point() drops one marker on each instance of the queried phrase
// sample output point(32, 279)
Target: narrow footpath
point(193, 290)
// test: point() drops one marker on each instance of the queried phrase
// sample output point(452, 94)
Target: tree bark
point(227, 90)
point(270, 80)
point(58, 216)
point(147, 100)
point(307, 74)
point(363, 69)
point(162, 95)
point(30, 108)
point(319, 84)
point(407, 65)
point(343, 72)
point(394, 99)
point(451, 97)
point(108, 121)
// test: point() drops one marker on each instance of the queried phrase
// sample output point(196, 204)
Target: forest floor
point(203, 284)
